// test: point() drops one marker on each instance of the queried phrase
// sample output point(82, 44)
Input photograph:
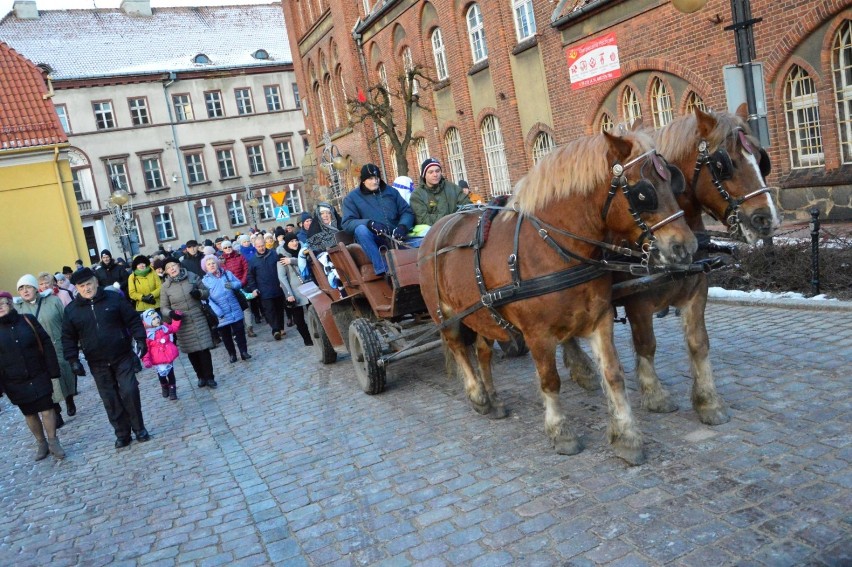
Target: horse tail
point(468, 339)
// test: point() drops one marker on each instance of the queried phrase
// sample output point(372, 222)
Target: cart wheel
point(322, 346)
point(365, 347)
point(512, 351)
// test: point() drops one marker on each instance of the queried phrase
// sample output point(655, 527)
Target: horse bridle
point(641, 197)
point(721, 169)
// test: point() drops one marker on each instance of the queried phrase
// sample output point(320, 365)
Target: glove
point(400, 232)
point(229, 285)
point(377, 227)
point(195, 294)
point(77, 368)
point(143, 348)
point(177, 315)
point(149, 299)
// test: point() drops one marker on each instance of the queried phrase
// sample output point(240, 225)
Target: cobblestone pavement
point(288, 463)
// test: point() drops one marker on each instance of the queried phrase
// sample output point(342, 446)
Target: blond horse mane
point(677, 140)
point(576, 168)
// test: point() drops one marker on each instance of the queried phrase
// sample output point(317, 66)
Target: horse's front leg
point(484, 353)
point(579, 365)
point(461, 356)
point(543, 352)
point(706, 401)
point(655, 397)
point(623, 434)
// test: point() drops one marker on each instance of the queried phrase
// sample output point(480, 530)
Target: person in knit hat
point(162, 350)
point(435, 196)
point(405, 186)
point(109, 273)
point(373, 214)
point(143, 285)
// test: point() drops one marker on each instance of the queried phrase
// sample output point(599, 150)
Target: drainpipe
point(172, 78)
point(357, 37)
point(71, 236)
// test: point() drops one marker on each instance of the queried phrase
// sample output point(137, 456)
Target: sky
point(6, 5)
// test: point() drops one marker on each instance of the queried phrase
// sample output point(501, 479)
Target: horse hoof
point(713, 416)
point(633, 456)
point(481, 409)
point(660, 405)
point(498, 411)
point(568, 446)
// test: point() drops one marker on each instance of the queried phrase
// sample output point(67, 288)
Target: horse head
point(641, 206)
point(729, 175)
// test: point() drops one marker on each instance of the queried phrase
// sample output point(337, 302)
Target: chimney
point(25, 9)
point(136, 7)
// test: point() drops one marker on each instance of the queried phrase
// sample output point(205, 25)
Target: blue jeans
point(370, 242)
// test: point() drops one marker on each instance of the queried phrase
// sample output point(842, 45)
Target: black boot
point(164, 386)
point(211, 383)
point(59, 421)
point(70, 406)
point(245, 355)
point(172, 393)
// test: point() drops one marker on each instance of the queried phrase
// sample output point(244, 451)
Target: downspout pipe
point(59, 184)
point(358, 42)
point(171, 79)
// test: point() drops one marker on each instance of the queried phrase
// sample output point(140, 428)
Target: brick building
point(503, 94)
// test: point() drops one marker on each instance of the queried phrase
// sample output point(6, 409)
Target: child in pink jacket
point(162, 350)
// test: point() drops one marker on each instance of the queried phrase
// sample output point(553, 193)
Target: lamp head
point(253, 202)
point(688, 6)
point(120, 197)
point(339, 163)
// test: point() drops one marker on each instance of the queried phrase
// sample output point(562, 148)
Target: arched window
point(408, 64)
point(606, 123)
point(801, 109)
point(335, 114)
point(841, 67)
point(421, 148)
point(455, 155)
point(383, 77)
point(522, 10)
point(201, 59)
point(630, 108)
point(439, 54)
point(661, 103)
point(476, 33)
point(542, 146)
point(392, 163)
point(321, 104)
point(344, 99)
point(495, 156)
point(694, 101)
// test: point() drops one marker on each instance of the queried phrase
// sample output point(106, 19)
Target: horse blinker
point(642, 196)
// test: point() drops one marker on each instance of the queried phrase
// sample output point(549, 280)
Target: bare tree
point(382, 105)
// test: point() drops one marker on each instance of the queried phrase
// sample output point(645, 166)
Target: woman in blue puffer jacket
point(222, 284)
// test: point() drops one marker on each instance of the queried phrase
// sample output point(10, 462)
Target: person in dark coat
point(373, 213)
point(191, 260)
point(105, 324)
point(27, 365)
point(111, 274)
point(322, 233)
point(263, 282)
point(302, 233)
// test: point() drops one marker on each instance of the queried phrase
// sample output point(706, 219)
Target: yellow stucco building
point(40, 224)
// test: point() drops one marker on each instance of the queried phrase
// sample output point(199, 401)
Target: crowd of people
point(118, 318)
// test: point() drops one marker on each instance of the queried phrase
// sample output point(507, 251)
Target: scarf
point(142, 273)
point(182, 275)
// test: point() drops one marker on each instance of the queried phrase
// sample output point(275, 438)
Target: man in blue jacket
point(374, 212)
point(263, 282)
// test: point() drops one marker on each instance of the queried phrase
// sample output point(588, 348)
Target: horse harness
point(721, 168)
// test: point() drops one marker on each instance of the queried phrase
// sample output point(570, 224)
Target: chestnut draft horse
point(555, 286)
point(728, 169)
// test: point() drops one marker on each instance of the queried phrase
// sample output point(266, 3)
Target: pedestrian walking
point(143, 285)
point(222, 285)
point(27, 365)
point(162, 350)
point(108, 329)
point(288, 276)
point(263, 283)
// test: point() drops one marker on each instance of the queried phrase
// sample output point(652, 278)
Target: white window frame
point(164, 226)
point(118, 178)
point(522, 12)
point(421, 149)
point(152, 170)
point(272, 95)
point(408, 64)
point(104, 115)
point(206, 217)
point(439, 52)
point(265, 208)
point(213, 104)
point(543, 145)
point(284, 154)
point(383, 77)
point(329, 85)
point(476, 34)
point(841, 67)
point(495, 156)
point(244, 101)
point(182, 104)
point(195, 172)
point(294, 202)
point(455, 154)
point(801, 112)
point(606, 124)
point(296, 100)
point(630, 107)
point(237, 213)
point(139, 115)
point(694, 101)
point(62, 111)
point(225, 163)
point(256, 159)
point(386, 143)
point(661, 103)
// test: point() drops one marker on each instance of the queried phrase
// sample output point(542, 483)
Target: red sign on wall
point(593, 62)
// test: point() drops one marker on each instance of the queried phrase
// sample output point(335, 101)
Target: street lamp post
point(253, 203)
point(121, 210)
point(741, 24)
point(334, 163)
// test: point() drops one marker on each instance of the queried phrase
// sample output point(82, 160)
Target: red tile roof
point(26, 118)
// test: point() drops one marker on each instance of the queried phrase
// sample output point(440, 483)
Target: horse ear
point(678, 181)
point(765, 164)
point(619, 148)
point(742, 112)
point(705, 123)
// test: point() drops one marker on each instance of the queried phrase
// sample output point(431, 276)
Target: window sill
point(172, 239)
point(259, 173)
point(207, 231)
point(157, 190)
point(478, 67)
point(528, 43)
point(442, 84)
point(200, 183)
point(229, 178)
point(280, 169)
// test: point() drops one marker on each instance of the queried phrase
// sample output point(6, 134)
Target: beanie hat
point(208, 250)
point(148, 317)
point(288, 237)
point(227, 244)
point(463, 184)
point(27, 279)
point(6, 294)
point(191, 242)
point(204, 260)
point(243, 238)
point(141, 259)
point(304, 216)
point(428, 163)
point(82, 276)
point(159, 264)
point(170, 260)
point(67, 270)
point(369, 170)
point(208, 242)
point(106, 252)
